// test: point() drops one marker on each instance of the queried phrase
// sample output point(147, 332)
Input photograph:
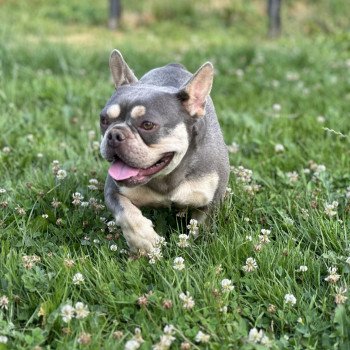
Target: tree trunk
point(274, 13)
point(115, 11)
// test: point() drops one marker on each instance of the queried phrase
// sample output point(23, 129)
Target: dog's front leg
point(137, 229)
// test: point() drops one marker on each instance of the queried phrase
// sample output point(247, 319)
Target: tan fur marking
point(144, 196)
point(138, 111)
point(196, 192)
point(113, 111)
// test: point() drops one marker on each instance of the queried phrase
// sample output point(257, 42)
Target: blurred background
point(248, 18)
point(54, 61)
point(162, 21)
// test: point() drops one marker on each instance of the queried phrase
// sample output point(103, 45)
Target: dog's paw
point(141, 237)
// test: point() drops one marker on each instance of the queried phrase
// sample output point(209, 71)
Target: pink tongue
point(120, 171)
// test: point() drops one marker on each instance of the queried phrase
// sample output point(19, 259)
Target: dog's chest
point(194, 193)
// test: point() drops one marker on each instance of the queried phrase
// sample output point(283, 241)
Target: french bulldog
point(163, 140)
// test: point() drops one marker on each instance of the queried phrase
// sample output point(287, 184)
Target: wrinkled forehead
point(142, 100)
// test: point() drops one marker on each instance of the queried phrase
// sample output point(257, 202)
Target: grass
point(55, 80)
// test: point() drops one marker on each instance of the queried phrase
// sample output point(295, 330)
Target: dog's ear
point(121, 73)
point(195, 92)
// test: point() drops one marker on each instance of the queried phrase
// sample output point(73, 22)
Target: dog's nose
point(114, 137)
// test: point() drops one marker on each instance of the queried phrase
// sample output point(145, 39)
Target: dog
point(163, 140)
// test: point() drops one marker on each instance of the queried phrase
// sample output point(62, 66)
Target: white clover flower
point(44, 216)
point(265, 340)
point(290, 299)
point(69, 262)
point(4, 301)
point(279, 148)
point(229, 191)
point(224, 309)
point(78, 278)
point(321, 119)
point(233, 147)
point(30, 137)
point(6, 150)
point(169, 329)
point(91, 135)
point(333, 277)
point(188, 302)
point(84, 338)
point(154, 255)
point(276, 107)
point(255, 336)
point(138, 335)
point(252, 189)
point(135, 342)
point(132, 344)
point(179, 263)
point(239, 73)
point(67, 313)
point(331, 209)
point(3, 339)
point(340, 297)
point(288, 221)
point(95, 145)
point(242, 174)
point(92, 187)
point(160, 242)
point(81, 310)
point(305, 213)
point(183, 241)
point(319, 169)
point(202, 337)
point(193, 227)
point(249, 238)
point(113, 247)
point(40, 155)
point(61, 174)
point(250, 265)
point(77, 198)
point(2, 191)
point(264, 237)
point(293, 176)
point(164, 342)
point(166, 339)
point(226, 285)
point(303, 268)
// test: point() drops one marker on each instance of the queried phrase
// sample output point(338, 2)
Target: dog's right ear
point(121, 73)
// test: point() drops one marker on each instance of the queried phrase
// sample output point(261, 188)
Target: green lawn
point(284, 109)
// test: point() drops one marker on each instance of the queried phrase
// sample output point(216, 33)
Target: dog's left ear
point(121, 73)
point(195, 92)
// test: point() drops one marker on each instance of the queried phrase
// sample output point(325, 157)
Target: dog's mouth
point(122, 172)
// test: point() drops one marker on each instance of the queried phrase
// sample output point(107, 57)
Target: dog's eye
point(103, 120)
point(147, 125)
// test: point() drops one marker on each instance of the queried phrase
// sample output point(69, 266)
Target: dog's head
point(146, 129)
